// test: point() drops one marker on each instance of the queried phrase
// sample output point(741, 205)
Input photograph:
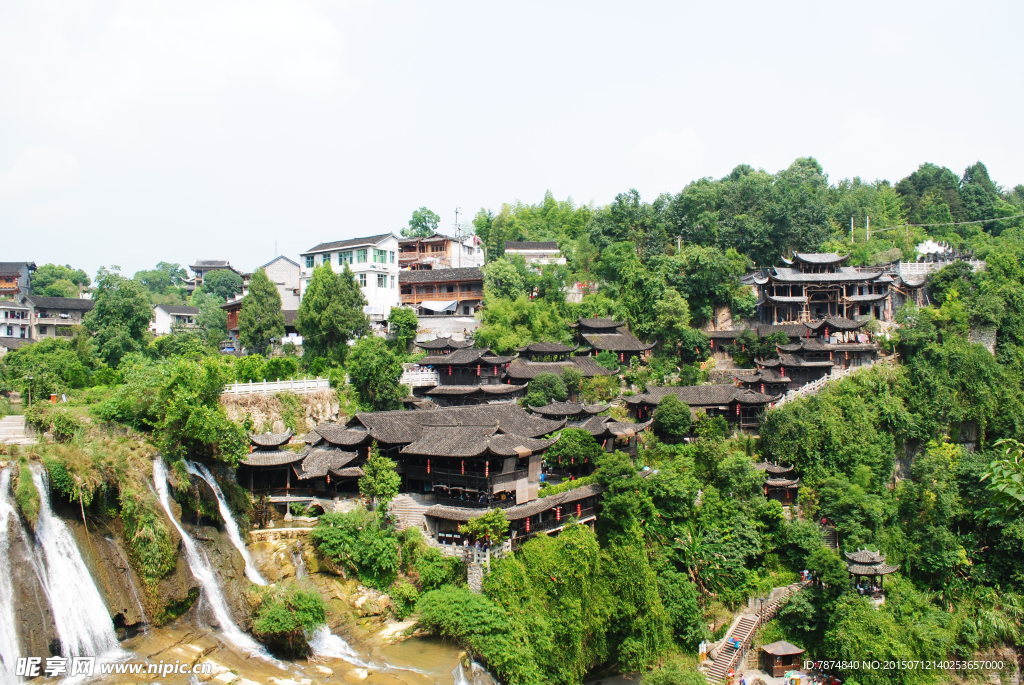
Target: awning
point(440, 306)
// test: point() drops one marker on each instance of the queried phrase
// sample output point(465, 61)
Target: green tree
point(422, 224)
point(162, 278)
point(380, 480)
point(491, 527)
point(402, 324)
point(212, 319)
point(574, 444)
point(545, 388)
point(120, 316)
point(359, 542)
point(505, 279)
point(375, 370)
point(260, 321)
point(672, 419)
point(224, 283)
point(285, 614)
point(54, 280)
point(330, 315)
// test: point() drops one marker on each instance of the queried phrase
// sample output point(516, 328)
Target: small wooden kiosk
point(781, 657)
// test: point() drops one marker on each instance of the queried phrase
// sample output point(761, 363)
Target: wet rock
point(34, 619)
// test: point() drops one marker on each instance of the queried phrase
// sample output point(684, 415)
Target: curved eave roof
point(872, 569)
point(275, 458)
point(270, 439)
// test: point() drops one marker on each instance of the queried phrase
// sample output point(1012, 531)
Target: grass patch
point(26, 495)
point(174, 609)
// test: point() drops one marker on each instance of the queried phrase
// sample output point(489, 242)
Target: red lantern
point(782, 370)
point(579, 510)
point(622, 356)
point(487, 469)
point(462, 464)
point(478, 369)
point(737, 409)
point(762, 388)
point(449, 369)
point(527, 524)
point(826, 331)
point(712, 343)
point(428, 466)
point(328, 479)
point(558, 513)
point(494, 370)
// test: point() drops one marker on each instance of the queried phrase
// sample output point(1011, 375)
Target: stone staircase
point(408, 512)
point(830, 536)
point(14, 431)
point(725, 656)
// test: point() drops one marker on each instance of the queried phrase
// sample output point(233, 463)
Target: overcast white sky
point(133, 131)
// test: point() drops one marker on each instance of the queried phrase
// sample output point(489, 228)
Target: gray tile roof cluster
point(616, 342)
point(771, 468)
point(597, 323)
point(491, 389)
point(568, 409)
point(272, 458)
point(786, 359)
point(336, 434)
point(782, 648)
point(270, 439)
point(319, 461)
point(350, 242)
point(841, 274)
point(819, 257)
point(762, 376)
point(465, 355)
point(443, 344)
point(15, 343)
point(547, 348)
point(179, 309)
point(465, 273)
point(793, 330)
point(11, 268)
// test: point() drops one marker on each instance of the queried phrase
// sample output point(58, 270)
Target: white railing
point(420, 378)
point(299, 385)
point(837, 374)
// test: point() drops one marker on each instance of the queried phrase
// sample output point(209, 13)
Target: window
point(392, 253)
point(309, 261)
point(362, 279)
point(437, 247)
point(345, 257)
point(326, 258)
point(382, 280)
point(380, 256)
point(361, 256)
point(392, 280)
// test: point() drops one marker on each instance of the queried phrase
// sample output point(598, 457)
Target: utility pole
point(867, 224)
point(851, 229)
point(458, 235)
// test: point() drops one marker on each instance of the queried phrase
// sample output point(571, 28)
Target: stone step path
point(408, 512)
point(14, 431)
point(830, 536)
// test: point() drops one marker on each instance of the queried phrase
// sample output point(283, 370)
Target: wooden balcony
point(462, 295)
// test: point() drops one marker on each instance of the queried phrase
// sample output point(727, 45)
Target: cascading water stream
point(79, 612)
point(203, 572)
point(326, 645)
point(230, 524)
point(9, 647)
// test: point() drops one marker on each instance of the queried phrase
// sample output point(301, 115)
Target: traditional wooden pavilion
point(268, 467)
point(609, 335)
point(330, 463)
point(468, 366)
point(865, 565)
point(546, 351)
point(780, 484)
point(781, 657)
point(573, 412)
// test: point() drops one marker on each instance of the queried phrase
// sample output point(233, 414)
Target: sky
point(138, 131)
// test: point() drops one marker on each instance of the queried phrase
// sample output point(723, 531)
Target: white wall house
point(169, 318)
point(373, 261)
point(286, 275)
point(535, 253)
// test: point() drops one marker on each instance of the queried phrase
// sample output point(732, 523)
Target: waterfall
point(478, 675)
point(229, 521)
point(79, 613)
point(203, 572)
point(299, 562)
point(9, 648)
point(325, 644)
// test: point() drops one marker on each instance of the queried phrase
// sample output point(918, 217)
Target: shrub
point(27, 496)
point(57, 421)
point(545, 388)
point(437, 570)
point(149, 542)
point(283, 615)
point(608, 360)
point(357, 542)
point(403, 595)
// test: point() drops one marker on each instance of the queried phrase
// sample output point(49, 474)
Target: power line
point(950, 223)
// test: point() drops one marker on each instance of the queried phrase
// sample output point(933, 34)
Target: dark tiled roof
point(782, 648)
point(8, 268)
point(835, 323)
point(493, 389)
point(547, 348)
point(530, 245)
point(519, 511)
point(321, 460)
point(500, 388)
point(525, 369)
point(793, 330)
point(289, 316)
point(179, 309)
point(600, 426)
point(349, 472)
point(338, 434)
point(270, 439)
point(351, 242)
point(865, 556)
point(843, 273)
point(398, 427)
point(616, 342)
point(443, 343)
point(762, 376)
point(819, 257)
point(272, 458)
point(871, 570)
point(212, 263)
point(60, 303)
point(568, 409)
point(15, 343)
point(432, 238)
point(782, 482)
point(598, 323)
point(465, 273)
point(772, 468)
point(473, 441)
point(793, 362)
point(465, 355)
point(702, 395)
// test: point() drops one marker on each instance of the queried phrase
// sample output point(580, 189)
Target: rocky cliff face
point(267, 413)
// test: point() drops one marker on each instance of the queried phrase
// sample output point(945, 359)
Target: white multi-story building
point(536, 254)
point(373, 261)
